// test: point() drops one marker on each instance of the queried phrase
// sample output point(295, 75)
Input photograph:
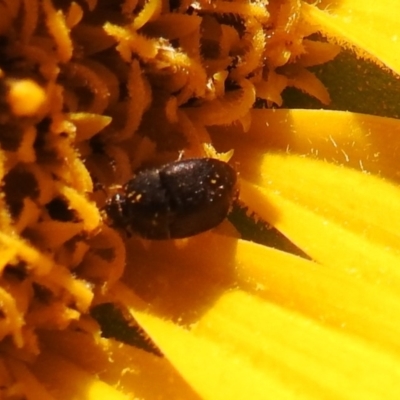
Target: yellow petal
point(371, 27)
point(245, 348)
point(180, 284)
point(123, 367)
point(31, 387)
point(52, 370)
point(358, 141)
point(339, 217)
point(329, 295)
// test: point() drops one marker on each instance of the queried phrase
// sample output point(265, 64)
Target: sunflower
point(295, 295)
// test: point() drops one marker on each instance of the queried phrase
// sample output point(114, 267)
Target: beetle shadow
point(181, 280)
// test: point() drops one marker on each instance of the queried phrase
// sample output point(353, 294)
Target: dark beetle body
point(178, 200)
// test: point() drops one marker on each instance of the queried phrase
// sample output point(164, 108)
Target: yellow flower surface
point(92, 91)
point(370, 27)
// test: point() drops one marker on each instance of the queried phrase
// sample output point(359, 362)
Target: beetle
point(177, 200)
